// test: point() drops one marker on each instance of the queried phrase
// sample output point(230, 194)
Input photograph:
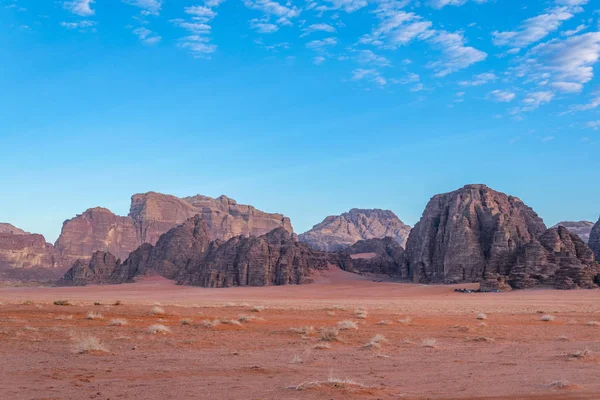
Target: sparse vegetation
point(186, 321)
point(297, 359)
point(329, 334)
point(375, 342)
point(64, 317)
point(332, 382)
point(257, 308)
point(207, 323)
point(158, 328)
point(118, 322)
point(547, 318)
point(88, 345)
point(562, 338)
point(560, 384)
point(481, 316)
point(593, 323)
point(117, 303)
point(231, 322)
point(322, 346)
point(28, 303)
point(405, 320)
point(156, 310)
point(97, 303)
point(429, 342)
point(579, 354)
point(482, 339)
point(384, 322)
point(246, 318)
point(305, 330)
point(94, 315)
point(62, 303)
point(347, 324)
point(360, 313)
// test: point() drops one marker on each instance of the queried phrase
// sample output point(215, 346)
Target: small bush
point(231, 322)
point(186, 321)
point(322, 346)
point(329, 334)
point(305, 330)
point(158, 328)
point(405, 320)
point(28, 303)
point(156, 310)
point(593, 323)
point(481, 316)
point(245, 318)
point(97, 303)
point(88, 344)
point(207, 323)
point(375, 342)
point(117, 303)
point(118, 322)
point(64, 317)
point(560, 384)
point(257, 308)
point(94, 315)
point(347, 324)
point(579, 354)
point(62, 303)
point(296, 360)
point(429, 343)
point(360, 313)
point(332, 382)
point(547, 318)
point(384, 322)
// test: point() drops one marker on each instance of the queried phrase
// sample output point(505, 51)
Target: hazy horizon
point(307, 109)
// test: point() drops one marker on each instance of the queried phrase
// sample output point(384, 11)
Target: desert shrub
point(118, 322)
point(481, 316)
point(347, 324)
point(375, 342)
point(158, 328)
point(257, 308)
point(547, 318)
point(329, 334)
point(429, 342)
point(88, 344)
point(62, 303)
point(156, 310)
point(186, 321)
point(94, 315)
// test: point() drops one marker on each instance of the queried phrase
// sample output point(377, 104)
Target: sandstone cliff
point(187, 254)
point(580, 228)
point(467, 233)
point(152, 214)
point(338, 232)
point(10, 229)
point(594, 241)
point(378, 256)
point(26, 256)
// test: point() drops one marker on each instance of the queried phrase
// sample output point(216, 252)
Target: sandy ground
point(512, 354)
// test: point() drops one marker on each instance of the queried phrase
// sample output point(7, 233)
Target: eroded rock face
point(99, 269)
point(378, 256)
point(26, 256)
point(594, 241)
point(580, 228)
point(186, 254)
point(10, 229)
point(152, 214)
point(467, 234)
point(337, 232)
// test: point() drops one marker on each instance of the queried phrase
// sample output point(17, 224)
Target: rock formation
point(340, 231)
point(10, 229)
point(26, 256)
point(594, 241)
point(580, 228)
point(187, 254)
point(379, 256)
point(152, 214)
point(558, 258)
point(467, 233)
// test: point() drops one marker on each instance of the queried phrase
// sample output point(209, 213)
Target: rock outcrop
point(594, 241)
point(26, 256)
point(338, 232)
point(187, 254)
point(378, 256)
point(580, 228)
point(152, 214)
point(467, 234)
point(558, 258)
point(10, 229)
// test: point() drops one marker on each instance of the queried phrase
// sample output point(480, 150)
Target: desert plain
point(345, 336)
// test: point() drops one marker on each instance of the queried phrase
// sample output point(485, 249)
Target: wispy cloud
point(146, 36)
point(82, 25)
point(503, 96)
point(318, 28)
point(479, 79)
point(80, 7)
point(149, 7)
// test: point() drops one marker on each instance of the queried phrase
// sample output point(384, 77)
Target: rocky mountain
point(26, 256)
point(379, 256)
point(466, 233)
point(558, 258)
point(152, 214)
point(187, 254)
point(340, 231)
point(10, 229)
point(594, 241)
point(580, 228)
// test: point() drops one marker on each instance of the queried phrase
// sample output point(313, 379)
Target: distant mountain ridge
point(337, 232)
point(579, 228)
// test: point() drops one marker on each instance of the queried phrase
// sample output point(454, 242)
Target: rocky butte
point(25, 256)
point(478, 234)
point(187, 254)
point(152, 214)
point(337, 232)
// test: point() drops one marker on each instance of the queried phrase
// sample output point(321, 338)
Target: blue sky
point(304, 108)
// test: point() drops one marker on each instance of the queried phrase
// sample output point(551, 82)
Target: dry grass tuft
point(246, 318)
point(329, 334)
point(158, 328)
point(429, 342)
point(297, 359)
point(156, 310)
point(561, 384)
point(64, 317)
point(360, 313)
point(332, 382)
point(547, 318)
point(384, 322)
point(257, 308)
point(186, 321)
point(593, 323)
point(375, 342)
point(305, 330)
point(88, 345)
point(579, 354)
point(231, 322)
point(481, 316)
point(118, 322)
point(62, 303)
point(207, 323)
point(117, 303)
point(482, 339)
point(322, 346)
point(562, 339)
point(405, 320)
point(347, 324)
point(94, 315)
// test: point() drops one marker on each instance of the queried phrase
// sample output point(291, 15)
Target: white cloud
point(149, 7)
point(536, 28)
point(503, 96)
point(409, 78)
point(318, 28)
point(348, 5)
point(319, 45)
point(80, 7)
point(455, 54)
point(200, 13)
point(213, 3)
point(372, 75)
point(370, 58)
point(284, 13)
point(575, 31)
point(592, 104)
point(197, 28)
point(567, 87)
point(197, 45)
point(442, 3)
point(146, 36)
point(593, 125)
point(263, 25)
point(480, 79)
point(536, 99)
point(78, 25)
point(318, 60)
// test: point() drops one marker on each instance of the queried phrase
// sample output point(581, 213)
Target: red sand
point(514, 355)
